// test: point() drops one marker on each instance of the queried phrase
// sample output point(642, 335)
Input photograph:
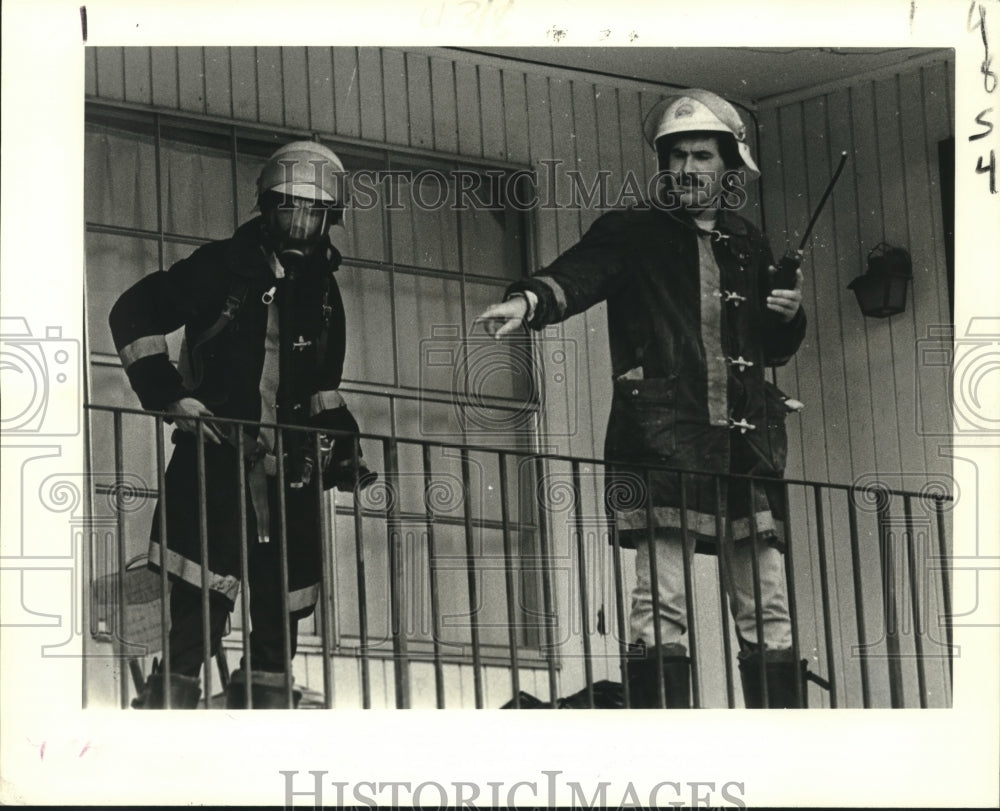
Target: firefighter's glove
point(347, 476)
point(325, 451)
point(344, 474)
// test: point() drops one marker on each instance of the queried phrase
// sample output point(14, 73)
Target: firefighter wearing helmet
point(301, 194)
point(693, 323)
point(264, 343)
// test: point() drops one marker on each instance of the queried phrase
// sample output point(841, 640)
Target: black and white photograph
point(485, 360)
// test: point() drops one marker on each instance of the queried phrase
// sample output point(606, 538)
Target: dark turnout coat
point(690, 340)
point(256, 348)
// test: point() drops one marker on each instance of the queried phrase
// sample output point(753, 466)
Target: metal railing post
point(400, 647)
point(473, 585)
point(123, 670)
point(889, 613)
point(623, 641)
point(432, 577)
point(722, 554)
point(688, 549)
point(757, 607)
point(161, 487)
point(326, 578)
point(359, 560)
point(801, 689)
point(509, 583)
point(286, 630)
point(918, 626)
point(654, 585)
point(547, 607)
point(945, 587)
point(206, 629)
point(824, 583)
point(244, 567)
point(581, 568)
point(859, 605)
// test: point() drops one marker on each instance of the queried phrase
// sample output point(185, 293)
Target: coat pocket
point(770, 439)
point(643, 418)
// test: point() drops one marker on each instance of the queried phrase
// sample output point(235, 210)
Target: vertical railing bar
point(581, 567)
point(161, 489)
point(509, 583)
point(401, 668)
point(686, 544)
point(123, 670)
point(859, 604)
point(333, 598)
point(432, 576)
point(470, 569)
point(359, 552)
point(945, 584)
point(824, 584)
point(244, 566)
point(547, 604)
point(654, 583)
point(758, 611)
point(623, 641)
point(887, 561)
point(326, 581)
point(720, 537)
point(800, 685)
point(286, 630)
point(200, 429)
point(95, 556)
point(918, 630)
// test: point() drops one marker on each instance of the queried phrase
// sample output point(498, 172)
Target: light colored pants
point(673, 609)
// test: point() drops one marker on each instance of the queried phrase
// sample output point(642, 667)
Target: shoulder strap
point(237, 292)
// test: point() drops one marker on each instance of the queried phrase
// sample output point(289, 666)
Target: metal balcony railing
point(867, 568)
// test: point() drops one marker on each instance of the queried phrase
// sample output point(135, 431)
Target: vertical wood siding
point(869, 404)
point(857, 376)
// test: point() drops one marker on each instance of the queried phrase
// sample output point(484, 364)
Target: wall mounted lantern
point(881, 290)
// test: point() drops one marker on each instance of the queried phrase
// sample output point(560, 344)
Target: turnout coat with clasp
point(690, 340)
point(256, 348)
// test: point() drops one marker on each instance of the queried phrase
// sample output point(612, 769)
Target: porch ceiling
point(748, 75)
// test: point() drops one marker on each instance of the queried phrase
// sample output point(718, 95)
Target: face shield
point(297, 226)
point(301, 193)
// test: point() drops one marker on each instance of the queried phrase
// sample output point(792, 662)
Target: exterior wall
point(872, 408)
point(857, 377)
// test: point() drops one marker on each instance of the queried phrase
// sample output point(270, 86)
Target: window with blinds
point(428, 242)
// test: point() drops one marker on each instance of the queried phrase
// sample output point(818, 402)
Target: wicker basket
point(143, 614)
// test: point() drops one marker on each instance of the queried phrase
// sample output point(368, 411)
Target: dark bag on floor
point(608, 695)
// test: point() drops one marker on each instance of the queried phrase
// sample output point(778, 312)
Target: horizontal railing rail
point(545, 457)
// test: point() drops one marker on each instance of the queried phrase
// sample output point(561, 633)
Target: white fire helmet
point(301, 192)
point(696, 110)
point(306, 170)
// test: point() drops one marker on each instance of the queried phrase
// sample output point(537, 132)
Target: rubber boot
point(267, 691)
point(640, 667)
point(782, 675)
point(184, 693)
